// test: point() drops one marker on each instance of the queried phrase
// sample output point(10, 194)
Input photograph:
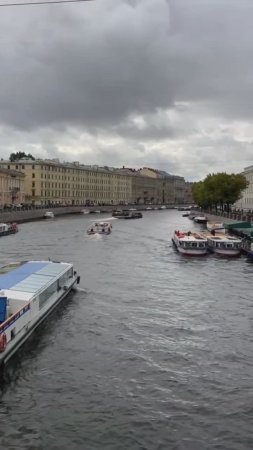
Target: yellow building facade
point(12, 187)
point(51, 182)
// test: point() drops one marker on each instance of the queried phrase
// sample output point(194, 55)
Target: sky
point(141, 83)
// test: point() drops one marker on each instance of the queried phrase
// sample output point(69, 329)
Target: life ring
point(3, 342)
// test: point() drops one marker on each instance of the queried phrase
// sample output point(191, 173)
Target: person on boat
point(189, 233)
point(213, 232)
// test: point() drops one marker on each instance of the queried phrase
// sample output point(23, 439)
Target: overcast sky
point(161, 83)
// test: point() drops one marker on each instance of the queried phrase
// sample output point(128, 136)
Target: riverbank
point(38, 214)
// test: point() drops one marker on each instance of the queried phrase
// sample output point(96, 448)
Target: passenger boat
point(200, 219)
point(100, 228)
point(189, 243)
point(216, 226)
point(49, 215)
point(134, 215)
point(8, 228)
point(223, 244)
point(30, 290)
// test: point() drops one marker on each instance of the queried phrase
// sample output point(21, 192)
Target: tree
point(220, 189)
point(19, 155)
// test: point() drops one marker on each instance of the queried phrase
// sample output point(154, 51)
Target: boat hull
point(189, 251)
point(6, 233)
point(224, 252)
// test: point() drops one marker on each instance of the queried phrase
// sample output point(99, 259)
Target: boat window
point(194, 244)
point(44, 296)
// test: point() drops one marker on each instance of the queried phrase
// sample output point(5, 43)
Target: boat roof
point(22, 281)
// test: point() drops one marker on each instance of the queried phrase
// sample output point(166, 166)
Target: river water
point(153, 352)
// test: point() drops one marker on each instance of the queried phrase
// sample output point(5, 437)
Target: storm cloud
point(166, 83)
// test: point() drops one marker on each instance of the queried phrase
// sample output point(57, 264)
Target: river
point(153, 351)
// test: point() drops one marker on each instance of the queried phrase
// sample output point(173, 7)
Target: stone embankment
point(38, 214)
point(229, 217)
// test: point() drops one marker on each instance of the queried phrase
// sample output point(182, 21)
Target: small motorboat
point(186, 215)
point(216, 226)
point(49, 215)
point(8, 228)
point(200, 219)
point(100, 228)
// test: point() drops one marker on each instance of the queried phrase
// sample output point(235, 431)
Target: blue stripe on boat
point(10, 279)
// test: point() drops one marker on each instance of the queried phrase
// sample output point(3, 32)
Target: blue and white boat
point(29, 291)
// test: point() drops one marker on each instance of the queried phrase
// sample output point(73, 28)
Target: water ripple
point(153, 351)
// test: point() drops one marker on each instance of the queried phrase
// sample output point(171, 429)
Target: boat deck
point(220, 237)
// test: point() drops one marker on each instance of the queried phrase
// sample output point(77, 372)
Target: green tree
point(19, 155)
point(219, 190)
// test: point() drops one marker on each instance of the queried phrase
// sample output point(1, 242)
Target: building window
point(16, 167)
point(33, 192)
point(33, 184)
point(33, 167)
point(33, 175)
point(23, 167)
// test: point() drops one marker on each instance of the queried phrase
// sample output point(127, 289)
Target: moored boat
point(120, 214)
point(100, 228)
point(29, 292)
point(8, 228)
point(216, 226)
point(189, 243)
point(200, 219)
point(49, 215)
point(223, 244)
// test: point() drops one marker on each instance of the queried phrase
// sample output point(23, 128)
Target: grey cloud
point(74, 79)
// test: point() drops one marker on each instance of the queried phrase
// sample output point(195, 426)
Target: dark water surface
point(154, 352)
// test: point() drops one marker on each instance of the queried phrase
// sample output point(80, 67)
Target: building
point(246, 200)
point(145, 189)
point(170, 188)
point(49, 182)
point(12, 187)
point(188, 199)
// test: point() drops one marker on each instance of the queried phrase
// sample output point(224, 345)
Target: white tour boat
point(8, 228)
point(190, 243)
point(29, 292)
point(100, 228)
point(216, 226)
point(223, 244)
point(49, 215)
